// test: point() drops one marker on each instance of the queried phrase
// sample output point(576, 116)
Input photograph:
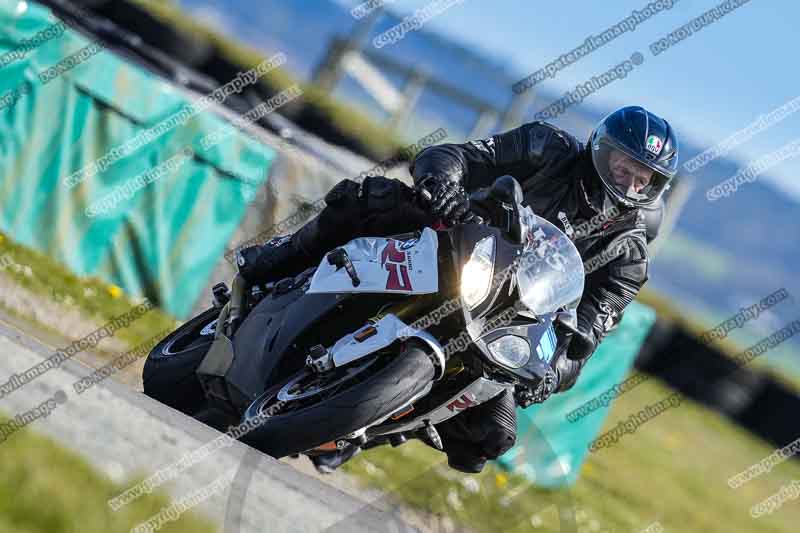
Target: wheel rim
point(209, 329)
point(310, 384)
point(180, 345)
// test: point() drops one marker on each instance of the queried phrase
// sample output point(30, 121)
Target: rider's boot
point(328, 462)
point(282, 257)
point(289, 255)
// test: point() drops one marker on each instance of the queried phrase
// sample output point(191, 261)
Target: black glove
point(448, 200)
point(583, 342)
point(549, 384)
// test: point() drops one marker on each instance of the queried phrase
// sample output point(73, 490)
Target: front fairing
point(463, 239)
point(546, 286)
point(541, 338)
point(548, 274)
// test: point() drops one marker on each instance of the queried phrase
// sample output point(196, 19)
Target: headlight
point(510, 351)
point(476, 276)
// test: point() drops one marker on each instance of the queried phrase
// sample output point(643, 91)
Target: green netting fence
point(550, 447)
point(155, 222)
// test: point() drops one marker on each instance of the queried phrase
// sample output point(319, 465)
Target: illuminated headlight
point(510, 351)
point(476, 276)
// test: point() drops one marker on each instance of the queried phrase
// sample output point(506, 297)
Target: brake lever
point(339, 258)
point(501, 202)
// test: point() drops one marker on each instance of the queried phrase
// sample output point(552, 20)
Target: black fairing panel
point(263, 340)
point(535, 369)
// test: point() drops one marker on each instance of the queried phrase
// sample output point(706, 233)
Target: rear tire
point(169, 372)
point(379, 395)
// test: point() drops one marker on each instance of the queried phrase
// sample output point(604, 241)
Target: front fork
point(215, 365)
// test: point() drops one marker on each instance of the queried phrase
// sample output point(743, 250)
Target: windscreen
point(550, 275)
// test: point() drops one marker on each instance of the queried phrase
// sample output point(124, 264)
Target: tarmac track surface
point(122, 433)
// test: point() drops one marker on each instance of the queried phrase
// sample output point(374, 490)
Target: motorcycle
point(384, 339)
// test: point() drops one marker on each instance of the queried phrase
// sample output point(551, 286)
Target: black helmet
point(635, 153)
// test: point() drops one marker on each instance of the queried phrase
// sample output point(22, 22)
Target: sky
point(709, 86)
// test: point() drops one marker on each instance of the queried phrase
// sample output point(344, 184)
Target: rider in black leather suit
point(596, 193)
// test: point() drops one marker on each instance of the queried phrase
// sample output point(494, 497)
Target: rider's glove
point(546, 387)
point(448, 200)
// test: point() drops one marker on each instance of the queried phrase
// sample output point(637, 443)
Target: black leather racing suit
point(559, 183)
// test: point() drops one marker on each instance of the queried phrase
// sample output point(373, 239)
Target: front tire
point(298, 427)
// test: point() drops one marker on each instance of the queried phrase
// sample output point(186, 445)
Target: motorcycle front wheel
point(308, 410)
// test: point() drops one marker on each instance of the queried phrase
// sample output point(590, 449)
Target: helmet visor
point(627, 178)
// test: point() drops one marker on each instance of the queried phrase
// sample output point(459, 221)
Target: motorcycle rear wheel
point(169, 371)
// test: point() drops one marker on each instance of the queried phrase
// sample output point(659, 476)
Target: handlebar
point(500, 204)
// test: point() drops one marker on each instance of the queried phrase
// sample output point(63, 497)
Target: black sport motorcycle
point(384, 339)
